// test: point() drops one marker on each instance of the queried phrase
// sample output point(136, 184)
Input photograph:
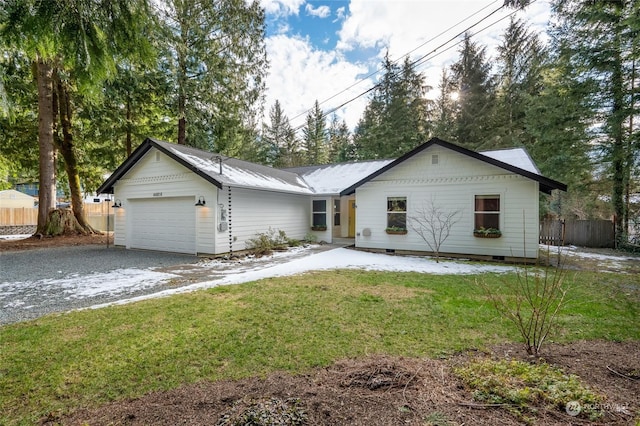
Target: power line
point(365, 78)
point(430, 55)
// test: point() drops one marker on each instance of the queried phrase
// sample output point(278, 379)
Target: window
point(434, 159)
point(336, 212)
point(397, 212)
point(319, 213)
point(487, 212)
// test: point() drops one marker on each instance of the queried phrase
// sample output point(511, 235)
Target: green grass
point(62, 362)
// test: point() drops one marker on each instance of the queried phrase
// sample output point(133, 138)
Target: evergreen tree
point(471, 76)
point(520, 58)
point(315, 137)
point(72, 45)
point(279, 146)
point(444, 111)
point(340, 147)
point(217, 61)
point(599, 41)
point(396, 118)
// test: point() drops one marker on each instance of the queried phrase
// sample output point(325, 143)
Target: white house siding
point(255, 211)
point(156, 177)
point(452, 184)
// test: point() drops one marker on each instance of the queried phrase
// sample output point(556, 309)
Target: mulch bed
point(380, 390)
point(34, 242)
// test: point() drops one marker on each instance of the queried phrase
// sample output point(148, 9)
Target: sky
point(325, 50)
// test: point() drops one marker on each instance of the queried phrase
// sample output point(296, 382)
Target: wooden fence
point(96, 215)
point(583, 233)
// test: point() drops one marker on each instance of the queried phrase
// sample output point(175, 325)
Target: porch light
point(117, 204)
point(201, 201)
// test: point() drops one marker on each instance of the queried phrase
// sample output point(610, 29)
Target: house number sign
point(157, 194)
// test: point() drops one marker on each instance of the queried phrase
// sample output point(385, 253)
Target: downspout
point(229, 224)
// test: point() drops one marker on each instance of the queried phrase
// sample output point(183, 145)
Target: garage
point(163, 224)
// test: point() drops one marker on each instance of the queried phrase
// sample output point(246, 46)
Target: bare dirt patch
point(380, 390)
point(34, 242)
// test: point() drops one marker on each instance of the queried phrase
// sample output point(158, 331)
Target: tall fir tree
point(472, 79)
point(444, 110)
point(599, 40)
point(217, 60)
point(397, 116)
point(72, 45)
point(340, 147)
point(315, 137)
point(520, 59)
point(278, 145)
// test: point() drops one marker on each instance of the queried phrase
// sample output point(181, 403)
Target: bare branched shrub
point(434, 224)
point(532, 301)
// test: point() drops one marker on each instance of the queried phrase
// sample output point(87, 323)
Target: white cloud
point(282, 8)
point(301, 74)
point(320, 11)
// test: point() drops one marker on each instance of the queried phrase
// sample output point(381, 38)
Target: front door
point(352, 218)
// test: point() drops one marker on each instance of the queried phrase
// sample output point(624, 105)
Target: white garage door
point(164, 224)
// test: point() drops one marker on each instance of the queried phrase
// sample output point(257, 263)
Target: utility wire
point(430, 55)
point(365, 78)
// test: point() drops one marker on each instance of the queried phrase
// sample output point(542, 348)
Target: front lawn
point(62, 362)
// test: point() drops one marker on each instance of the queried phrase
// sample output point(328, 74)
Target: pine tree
point(340, 147)
point(471, 76)
point(315, 139)
point(72, 45)
point(278, 145)
point(443, 113)
point(599, 40)
point(396, 118)
point(520, 58)
point(217, 62)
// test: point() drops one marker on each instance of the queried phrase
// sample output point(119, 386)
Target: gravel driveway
point(34, 283)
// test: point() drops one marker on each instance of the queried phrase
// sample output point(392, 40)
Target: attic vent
point(157, 156)
point(434, 159)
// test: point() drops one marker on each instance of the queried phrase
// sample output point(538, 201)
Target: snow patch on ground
point(339, 258)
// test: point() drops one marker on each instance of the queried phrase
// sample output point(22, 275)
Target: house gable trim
point(546, 184)
point(107, 186)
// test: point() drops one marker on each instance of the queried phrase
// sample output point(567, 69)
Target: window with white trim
point(397, 213)
point(319, 214)
point(487, 212)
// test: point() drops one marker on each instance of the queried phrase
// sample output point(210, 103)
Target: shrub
point(523, 385)
point(532, 302)
point(266, 242)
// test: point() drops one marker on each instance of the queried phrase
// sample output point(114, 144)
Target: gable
point(546, 185)
point(439, 163)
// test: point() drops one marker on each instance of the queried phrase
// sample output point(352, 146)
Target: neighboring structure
point(176, 198)
point(10, 198)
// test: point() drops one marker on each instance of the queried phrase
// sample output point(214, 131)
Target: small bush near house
point(273, 240)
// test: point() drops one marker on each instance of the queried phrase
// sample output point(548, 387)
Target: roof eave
point(546, 184)
point(107, 186)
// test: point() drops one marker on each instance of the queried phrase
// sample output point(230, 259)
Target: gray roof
point(329, 179)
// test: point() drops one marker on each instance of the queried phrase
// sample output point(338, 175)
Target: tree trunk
point(66, 146)
point(47, 170)
point(618, 148)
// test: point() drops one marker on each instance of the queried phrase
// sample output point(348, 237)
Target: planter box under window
point(396, 231)
point(487, 235)
point(318, 228)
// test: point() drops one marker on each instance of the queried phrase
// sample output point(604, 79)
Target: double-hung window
point(397, 213)
point(487, 212)
point(319, 213)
